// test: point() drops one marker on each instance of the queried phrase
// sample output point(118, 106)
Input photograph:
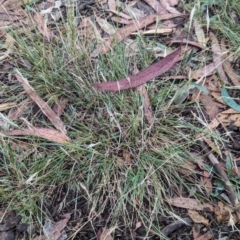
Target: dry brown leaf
point(187, 42)
point(121, 20)
point(19, 110)
point(143, 76)
point(206, 236)
point(59, 226)
point(210, 105)
point(167, 6)
point(212, 84)
point(107, 27)
point(199, 33)
point(155, 5)
point(58, 108)
point(173, 3)
point(112, 5)
point(205, 71)
point(207, 183)
point(105, 234)
point(217, 57)
point(228, 67)
point(189, 203)
point(196, 230)
point(197, 218)
point(227, 117)
point(146, 104)
point(138, 225)
point(9, 18)
point(47, 111)
point(7, 105)
point(42, 27)
point(125, 159)
point(11, 13)
point(217, 96)
point(133, 12)
point(46, 133)
point(22, 149)
point(11, 5)
point(121, 14)
point(213, 124)
point(124, 32)
point(9, 43)
point(222, 212)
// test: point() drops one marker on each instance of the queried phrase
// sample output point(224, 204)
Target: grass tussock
point(91, 170)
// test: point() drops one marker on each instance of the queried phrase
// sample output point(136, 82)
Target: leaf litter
point(136, 22)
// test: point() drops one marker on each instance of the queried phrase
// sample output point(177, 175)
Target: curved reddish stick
point(144, 76)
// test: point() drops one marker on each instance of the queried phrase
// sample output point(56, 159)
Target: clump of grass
point(101, 125)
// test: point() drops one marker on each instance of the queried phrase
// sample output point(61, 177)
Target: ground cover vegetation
point(119, 119)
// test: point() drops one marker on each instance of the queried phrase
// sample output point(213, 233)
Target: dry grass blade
point(155, 31)
point(8, 105)
point(105, 234)
point(54, 119)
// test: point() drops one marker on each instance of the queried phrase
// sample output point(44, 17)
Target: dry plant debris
point(207, 65)
point(143, 76)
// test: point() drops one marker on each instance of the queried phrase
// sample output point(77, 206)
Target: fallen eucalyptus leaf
point(143, 76)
